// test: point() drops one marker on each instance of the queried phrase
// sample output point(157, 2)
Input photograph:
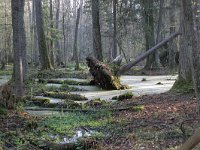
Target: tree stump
point(103, 75)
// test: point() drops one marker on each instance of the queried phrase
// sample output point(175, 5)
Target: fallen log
point(128, 66)
point(193, 141)
point(103, 76)
point(80, 110)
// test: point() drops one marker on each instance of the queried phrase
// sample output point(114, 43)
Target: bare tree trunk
point(52, 36)
point(172, 44)
point(149, 30)
point(44, 56)
point(158, 38)
point(57, 45)
point(76, 57)
point(192, 46)
point(64, 35)
point(35, 38)
point(114, 50)
point(19, 45)
point(97, 46)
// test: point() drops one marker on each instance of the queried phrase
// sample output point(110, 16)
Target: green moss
point(40, 101)
point(5, 72)
point(117, 83)
point(66, 87)
point(97, 103)
point(137, 108)
point(72, 82)
point(181, 86)
point(68, 104)
point(65, 95)
point(46, 74)
point(124, 96)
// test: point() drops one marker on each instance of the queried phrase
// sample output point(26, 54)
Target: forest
point(99, 74)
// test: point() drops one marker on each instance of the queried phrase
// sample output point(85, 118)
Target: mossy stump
point(103, 75)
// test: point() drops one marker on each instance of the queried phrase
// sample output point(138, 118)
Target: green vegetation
point(137, 108)
point(68, 82)
point(68, 104)
point(65, 95)
point(49, 74)
point(68, 123)
point(124, 96)
point(6, 72)
point(96, 103)
point(72, 82)
point(40, 101)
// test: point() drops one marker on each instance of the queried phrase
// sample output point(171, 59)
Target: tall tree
point(52, 34)
point(75, 51)
point(97, 45)
point(192, 38)
point(114, 49)
point(158, 38)
point(172, 45)
point(19, 45)
point(148, 8)
point(57, 44)
point(44, 56)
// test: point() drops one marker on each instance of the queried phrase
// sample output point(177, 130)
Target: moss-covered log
point(65, 95)
point(103, 75)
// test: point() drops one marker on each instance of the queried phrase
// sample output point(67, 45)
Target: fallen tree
point(108, 78)
point(103, 75)
point(128, 66)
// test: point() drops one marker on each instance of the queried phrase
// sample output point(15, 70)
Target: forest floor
point(153, 123)
point(156, 126)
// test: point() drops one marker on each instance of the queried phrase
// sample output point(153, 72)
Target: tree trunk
point(19, 45)
point(97, 46)
point(149, 30)
point(193, 141)
point(114, 50)
point(103, 75)
point(52, 35)
point(185, 53)
point(57, 44)
point(172, 44)
point(192, 46)
point(44, 56)
point(76, 57)
point(64, 35)
point(158, 38)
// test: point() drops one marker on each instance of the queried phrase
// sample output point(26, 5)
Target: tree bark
point(19, 45)
point(97, 46)
point(57, 44)
point(149, 31)
point(114, 50)
point(44, 56)
point(52, 35)
point(158, 38)
point(103, 75)
point(191, 41)
point(172, 44)
point(191, 142)
point(76, 57)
